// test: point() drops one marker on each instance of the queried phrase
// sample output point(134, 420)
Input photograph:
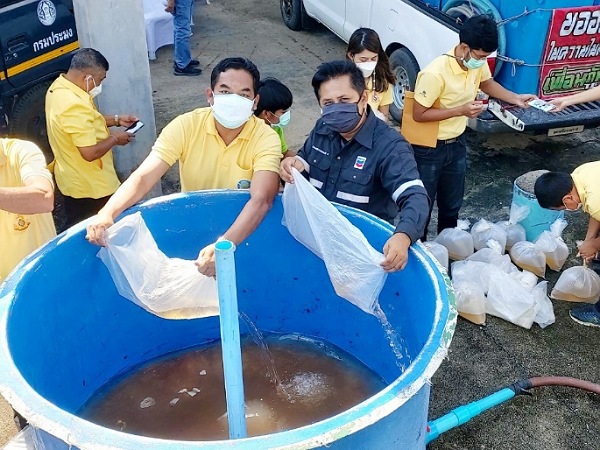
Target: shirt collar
point(580, 186)
point(454, 65)
point(62, 82)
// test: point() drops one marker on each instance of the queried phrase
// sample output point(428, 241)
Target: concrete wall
point(116, 29)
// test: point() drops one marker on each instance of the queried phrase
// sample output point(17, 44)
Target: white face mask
point(96, 90)
point(231, 110)
point(367, 68)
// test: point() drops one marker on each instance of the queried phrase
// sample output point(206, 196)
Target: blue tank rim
point(78, 432)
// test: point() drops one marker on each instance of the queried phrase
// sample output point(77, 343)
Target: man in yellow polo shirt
point(80, 139)
point(221, 147)
point(569, 192)
point(453, 80)
point(26, 202)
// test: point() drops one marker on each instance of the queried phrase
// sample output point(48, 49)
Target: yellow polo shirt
point(205, 162)
point(587, 182)
point(377, 99)
point(445, 80)
point(20, 234)
point(73, 121)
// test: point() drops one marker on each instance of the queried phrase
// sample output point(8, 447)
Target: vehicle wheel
point(405, 68)
point(28, 118)
point(293, 14)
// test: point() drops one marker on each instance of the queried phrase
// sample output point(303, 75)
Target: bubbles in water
point(308, 387)
point(403, 359)
point(147, 402)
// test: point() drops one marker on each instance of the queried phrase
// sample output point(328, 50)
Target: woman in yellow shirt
point(365, 50)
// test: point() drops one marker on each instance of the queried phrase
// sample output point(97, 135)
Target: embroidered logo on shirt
point(360, 162)
point(423, 93)
point(243, 184)
point(21, 223)
point(319, 150)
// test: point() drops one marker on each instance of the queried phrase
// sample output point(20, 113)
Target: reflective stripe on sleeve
point(405, 186)
point(352, 197)
point(316, 183)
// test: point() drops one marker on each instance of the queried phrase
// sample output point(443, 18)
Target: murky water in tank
point(182, 396)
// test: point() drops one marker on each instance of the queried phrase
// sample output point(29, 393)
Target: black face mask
point(341, 117)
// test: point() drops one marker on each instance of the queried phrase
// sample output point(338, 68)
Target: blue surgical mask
point(341, 117)
point(472, 63)
point(284, 120)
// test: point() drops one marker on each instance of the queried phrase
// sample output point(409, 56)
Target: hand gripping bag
point(352, 263)
point(553, 246)
point(439, 252)
point(515, 232)
point(171, 288)
point(529, 257)
point(483, 231)
point(492, 254)
point(545, 310)
point(458, 241)
point(577, 284)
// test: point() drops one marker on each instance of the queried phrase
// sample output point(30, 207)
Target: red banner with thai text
point(571, 58)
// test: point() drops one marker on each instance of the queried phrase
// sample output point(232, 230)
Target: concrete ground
point(481, 359)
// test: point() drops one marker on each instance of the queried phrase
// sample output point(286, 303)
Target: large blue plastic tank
point(64, 330)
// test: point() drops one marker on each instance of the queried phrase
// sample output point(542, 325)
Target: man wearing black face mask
point(355, 159)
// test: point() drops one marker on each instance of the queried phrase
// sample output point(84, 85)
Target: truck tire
point(405, 68)
point(28, 118)
point(293, 14)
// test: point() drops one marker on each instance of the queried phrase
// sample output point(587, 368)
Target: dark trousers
point(442, 170)
point(78, 209)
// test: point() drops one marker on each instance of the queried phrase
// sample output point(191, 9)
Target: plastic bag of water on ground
point(458, 241)
point(515, 232)
point(352, 263)
point(552, 244)
point(483, 231)
point(470, 301)
point(475, 272)
point(492, 254)
point(171, 288)
point(529, 257)
point(439, 252)
point(545, 310)
point(577, 284)
point(507, 299)
point(525, 278)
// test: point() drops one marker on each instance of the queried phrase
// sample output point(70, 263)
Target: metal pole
point(230, 339)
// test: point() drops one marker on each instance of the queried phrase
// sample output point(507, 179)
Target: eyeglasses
point(478, 58)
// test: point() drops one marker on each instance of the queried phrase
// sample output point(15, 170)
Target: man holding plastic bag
point(569, 192)
point(355, 159)
point(221, 147)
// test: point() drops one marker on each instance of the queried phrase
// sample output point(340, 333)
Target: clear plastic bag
point(577, 284)
point(507, 299)
point(492, 254)
point(483, 231)
point(515, 232)
point(439, 252)
point(529, 257)
point(545, 310)
point(470, 301)
point(553, 246)
point(526, 278)
point(171, 288)
point(458, 241)
point(352, 263)
point(475, 272)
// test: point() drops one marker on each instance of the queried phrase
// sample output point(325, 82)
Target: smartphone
point(541, 104)
point(135, 127)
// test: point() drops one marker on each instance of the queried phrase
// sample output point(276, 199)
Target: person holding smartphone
point(80, 138)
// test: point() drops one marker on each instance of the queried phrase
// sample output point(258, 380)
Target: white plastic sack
point(470, 302)
point(352, 264)
point(545, 310)
point(171, 288)
point(458, 241)
point(577, 284)
point(552, 244)
point(526, 278)
point(439, 252)
point(483, 231)
point(515, 232)
point(475, 272)
point(492, 254)
point(529, 257)
point(510, 301)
